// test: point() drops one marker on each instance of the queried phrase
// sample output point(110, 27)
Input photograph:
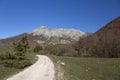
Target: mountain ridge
point(44, 34)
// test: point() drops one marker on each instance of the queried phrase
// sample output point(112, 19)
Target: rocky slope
point(47, 35)
point(56, 35)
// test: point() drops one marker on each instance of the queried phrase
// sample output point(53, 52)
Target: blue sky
point(19, 16)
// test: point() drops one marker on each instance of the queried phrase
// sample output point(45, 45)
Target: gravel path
point(43, 69)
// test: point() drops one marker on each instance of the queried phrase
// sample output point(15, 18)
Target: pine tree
point(21, 46)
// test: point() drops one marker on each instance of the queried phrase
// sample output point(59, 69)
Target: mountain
point(44, 34)
point(112, 29)
point(103, 43)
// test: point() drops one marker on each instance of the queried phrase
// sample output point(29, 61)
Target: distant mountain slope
point(48, 35)
point(48, 32)
point(111, 29)
point(104, 42)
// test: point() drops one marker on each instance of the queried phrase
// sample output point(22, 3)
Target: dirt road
point(43, 69)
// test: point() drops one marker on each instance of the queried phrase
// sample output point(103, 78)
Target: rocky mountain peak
point(43, 27)
point(57, 35)
point(45, 34)
point(60, 33)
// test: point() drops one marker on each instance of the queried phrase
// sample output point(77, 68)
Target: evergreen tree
point(21, 46)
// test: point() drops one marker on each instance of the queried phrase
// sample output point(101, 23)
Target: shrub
point(8, 55)
point(37, 48)
point(10, 59)
point(20, 64)
point(51, 49)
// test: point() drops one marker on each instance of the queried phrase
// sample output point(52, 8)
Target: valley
point(76, 55)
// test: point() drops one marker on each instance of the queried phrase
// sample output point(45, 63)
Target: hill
point(103, 43)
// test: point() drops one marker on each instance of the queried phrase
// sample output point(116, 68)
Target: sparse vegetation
point(16, 59)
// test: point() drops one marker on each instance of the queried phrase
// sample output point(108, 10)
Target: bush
point(51, 49)
point(19, 58)
point(37, 48)
point(20, 64)
point(13, 61)
point(8, 55)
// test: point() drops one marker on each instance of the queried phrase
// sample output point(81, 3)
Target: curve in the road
point(43, 69)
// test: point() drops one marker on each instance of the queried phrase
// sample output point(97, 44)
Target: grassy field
point(6, 72)
point(78, 68)
point(4, 48)
point(89, 68)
